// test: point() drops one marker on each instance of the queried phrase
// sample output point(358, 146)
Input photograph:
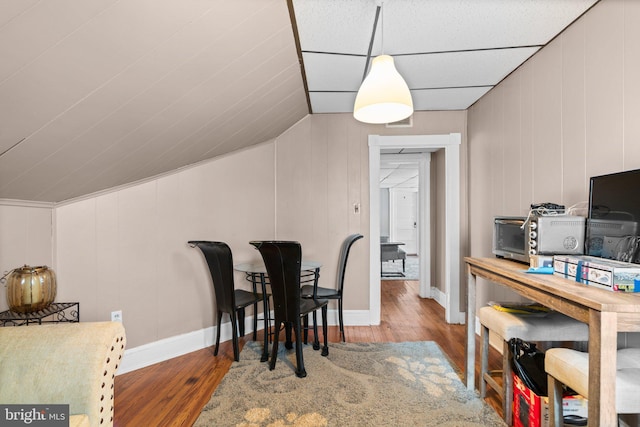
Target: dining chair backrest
point(344, 255)
point(220, 262)
point(283, 260)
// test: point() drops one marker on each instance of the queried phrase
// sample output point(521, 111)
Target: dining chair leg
point(267, 319)
point(305, 329)
point(234, 340)
point(316, 342)
point(215, 352)
point(255, 320)
point(266, 330)
point(274, 349)
point(341, 319)
point(241, 321)
point(267, 307)
point(300, 371)
point(325, 349)
point(288, 343)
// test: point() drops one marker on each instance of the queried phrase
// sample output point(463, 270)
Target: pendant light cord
point(373, 36)
point(381, 26)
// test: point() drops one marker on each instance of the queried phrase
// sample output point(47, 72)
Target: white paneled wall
point(25, 237)
point(323, 172)
point(127, 249)
point(567, 114)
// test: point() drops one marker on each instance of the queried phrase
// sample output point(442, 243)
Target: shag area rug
point(358, 384)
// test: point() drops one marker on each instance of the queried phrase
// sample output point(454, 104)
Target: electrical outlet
point(116, 316)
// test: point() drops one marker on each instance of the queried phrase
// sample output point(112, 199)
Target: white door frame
point(424, 224)
point(451, 145)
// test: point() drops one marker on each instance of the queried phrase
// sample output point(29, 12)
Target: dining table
point(256, 274)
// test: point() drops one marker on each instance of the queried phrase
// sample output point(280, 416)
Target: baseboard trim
point(440, 297)
point(168, 348)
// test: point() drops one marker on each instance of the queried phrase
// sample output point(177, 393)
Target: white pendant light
point(384, 96)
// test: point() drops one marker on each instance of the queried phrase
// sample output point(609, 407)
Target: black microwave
point(519, 238)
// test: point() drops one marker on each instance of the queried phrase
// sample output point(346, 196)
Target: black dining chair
point(283, 261)
point(315, 291)
point(228, 299)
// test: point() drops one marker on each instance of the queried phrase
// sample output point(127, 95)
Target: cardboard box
point(599, 272)
point(531, 410)
point(571, 405)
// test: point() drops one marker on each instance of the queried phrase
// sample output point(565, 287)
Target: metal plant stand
point(57, 312)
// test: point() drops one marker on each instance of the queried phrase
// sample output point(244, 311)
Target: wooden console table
point(606, 313)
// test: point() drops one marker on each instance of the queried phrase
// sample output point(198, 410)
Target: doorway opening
point(404, 211)
point(451, 145)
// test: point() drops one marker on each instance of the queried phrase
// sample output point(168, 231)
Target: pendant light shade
point(384, 96)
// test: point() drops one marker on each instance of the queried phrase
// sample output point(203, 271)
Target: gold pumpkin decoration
point(31, 289)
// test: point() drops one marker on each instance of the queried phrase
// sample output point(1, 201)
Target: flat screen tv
point(614, 213)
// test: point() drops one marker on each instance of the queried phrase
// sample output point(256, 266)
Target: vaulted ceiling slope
point(100, 93)
point(95, 94)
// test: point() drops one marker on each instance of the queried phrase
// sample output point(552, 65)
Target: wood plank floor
point(172, 393)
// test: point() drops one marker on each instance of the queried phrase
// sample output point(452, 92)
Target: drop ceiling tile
point(452, 69)
point(333, 72)
point(392, 180)
point(444, 25)
point(410, 184)
point(418, 150)
point(419, 27)
point(408, 165)
point(446, 99)
point(385, 172)
point(332, 102)
point(330, 26)
point(403, 174)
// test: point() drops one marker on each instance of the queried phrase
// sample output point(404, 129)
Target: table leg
point(255, 312)
point(603, 342)
point(471, 331)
